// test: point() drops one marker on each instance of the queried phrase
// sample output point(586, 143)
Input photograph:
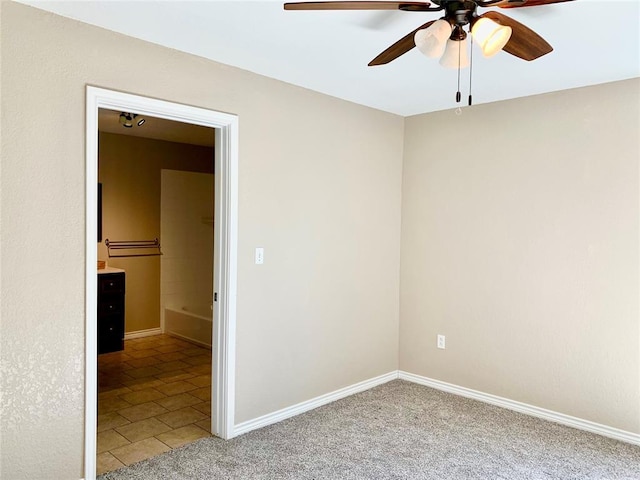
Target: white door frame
point(225, 252)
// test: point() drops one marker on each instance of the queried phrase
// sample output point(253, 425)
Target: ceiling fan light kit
point(440, 40)
point(446, 37)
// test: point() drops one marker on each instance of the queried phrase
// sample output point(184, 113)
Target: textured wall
point(130, 170)
point(520, 244)
point(319, 189)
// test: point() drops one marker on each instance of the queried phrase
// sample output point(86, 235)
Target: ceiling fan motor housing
point(459, 12)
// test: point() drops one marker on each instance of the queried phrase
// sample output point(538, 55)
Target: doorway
point(224, 254)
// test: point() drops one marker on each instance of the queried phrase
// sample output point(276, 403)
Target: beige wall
point(520, 244)
point(130, 170)
point(319, 189)
point(528, 262)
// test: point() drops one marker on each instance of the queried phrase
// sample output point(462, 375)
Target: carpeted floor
point(399, 430)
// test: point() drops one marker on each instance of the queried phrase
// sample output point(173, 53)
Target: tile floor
point(153, 396)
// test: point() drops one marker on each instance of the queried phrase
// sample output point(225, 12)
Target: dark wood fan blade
point(354, 5)
point(528, 3)
point(399, 48)
point(524, 42)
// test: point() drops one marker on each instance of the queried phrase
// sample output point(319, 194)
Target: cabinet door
point(110, 333)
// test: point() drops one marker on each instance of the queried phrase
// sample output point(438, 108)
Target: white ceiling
point(158, 128)
point(328, 51)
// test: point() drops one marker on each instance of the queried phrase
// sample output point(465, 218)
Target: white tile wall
point(186, 277)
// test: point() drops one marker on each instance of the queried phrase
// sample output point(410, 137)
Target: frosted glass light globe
point(490, 36)
point(431, 41)
point(455, 51)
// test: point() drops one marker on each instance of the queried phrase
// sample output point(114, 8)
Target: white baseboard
point(545, 414)
point(316, 402)
point(142, 333)
point(579, 423)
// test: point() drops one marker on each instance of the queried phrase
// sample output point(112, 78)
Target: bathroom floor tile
point(172, 366)
point(204, 369)
point(170, 357)
point(198, 360)
point(195, 351)
point(110, 439)
point(142, 343)
point(182, 417)
point(175, 376)
point(146, 428)
point(109, 381)
point(141, 450)
point(142, 411)
point(203, 393)
point(111, 404)
point(181, 436)
point(144, 362)
point(169, 348)
point(204, 407)
point(113, 357)
point(143, 383)
point(113, 393)
point(176, 388)
point(144, 372)
point(114, 373)
point(149, 352)
point(204, 424)
point(201, 381)
point(164, 340)
point(105, 462)
point(145, 396)
point(142, 396)
point(111, 420)
point(177, 402)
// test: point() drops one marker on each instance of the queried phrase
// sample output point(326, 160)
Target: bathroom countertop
point(110, 270)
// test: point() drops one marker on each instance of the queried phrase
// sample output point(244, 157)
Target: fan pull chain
point(470, 71)
point(458, 94)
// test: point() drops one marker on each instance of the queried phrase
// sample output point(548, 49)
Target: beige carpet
point(400, 431)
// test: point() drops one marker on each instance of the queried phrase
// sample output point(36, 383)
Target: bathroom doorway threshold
point(225, 252)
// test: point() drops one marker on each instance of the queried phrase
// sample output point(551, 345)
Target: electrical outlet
point(441, 341)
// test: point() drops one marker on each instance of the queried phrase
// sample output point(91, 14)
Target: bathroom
point(156, 237)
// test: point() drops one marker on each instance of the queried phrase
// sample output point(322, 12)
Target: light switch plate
point(259, 256)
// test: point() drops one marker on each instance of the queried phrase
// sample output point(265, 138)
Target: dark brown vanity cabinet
point(111, 312)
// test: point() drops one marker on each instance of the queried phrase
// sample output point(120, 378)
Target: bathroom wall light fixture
point(128, 119)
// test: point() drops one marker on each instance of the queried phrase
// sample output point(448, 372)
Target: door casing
point(225, 252)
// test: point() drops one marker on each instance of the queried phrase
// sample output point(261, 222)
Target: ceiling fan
point(445, 37)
